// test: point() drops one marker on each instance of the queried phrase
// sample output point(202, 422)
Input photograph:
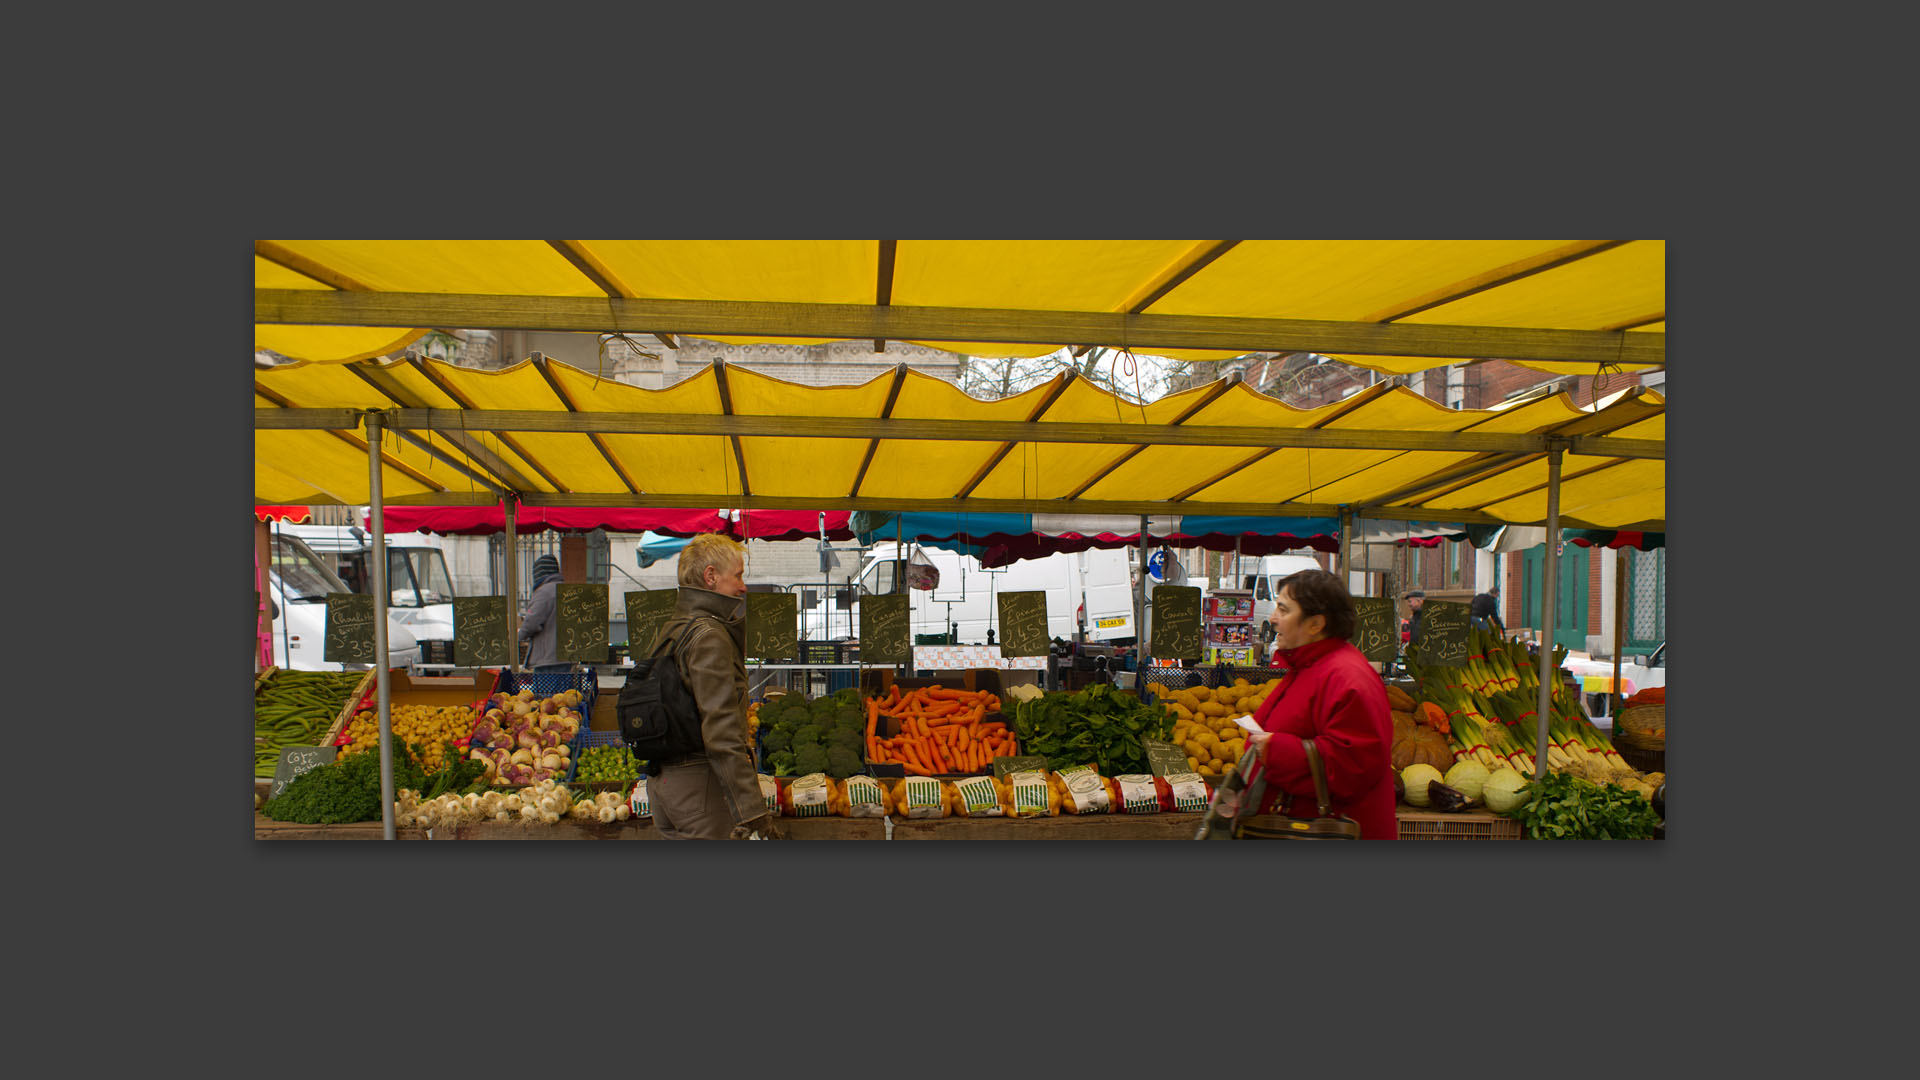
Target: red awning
point(790, 525)
point(294, 514)
point(1002, 549)
point(487, 520)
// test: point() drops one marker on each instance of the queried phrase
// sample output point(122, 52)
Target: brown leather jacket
point(713, 666)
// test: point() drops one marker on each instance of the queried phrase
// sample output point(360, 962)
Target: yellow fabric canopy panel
point(444, 462)
point(1527, 284)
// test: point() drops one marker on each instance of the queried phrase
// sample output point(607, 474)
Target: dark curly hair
point(1317, 592)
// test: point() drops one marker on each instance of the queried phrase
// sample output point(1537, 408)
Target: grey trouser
point(688, 803)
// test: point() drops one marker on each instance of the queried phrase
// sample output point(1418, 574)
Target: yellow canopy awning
point(1563, 306)
point(560, 436)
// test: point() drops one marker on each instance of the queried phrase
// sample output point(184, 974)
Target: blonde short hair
point(708, 549)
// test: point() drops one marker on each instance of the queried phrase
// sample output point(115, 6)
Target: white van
point(1086, 589)
point(298, 583)
point(1264, 576)
point(419, 589)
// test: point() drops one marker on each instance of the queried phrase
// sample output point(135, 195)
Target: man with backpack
point(712, 793)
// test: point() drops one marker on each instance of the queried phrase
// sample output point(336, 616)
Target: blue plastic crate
point(590, 739)
point(548, 683)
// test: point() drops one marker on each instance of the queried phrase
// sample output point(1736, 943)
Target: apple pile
point(523, 739)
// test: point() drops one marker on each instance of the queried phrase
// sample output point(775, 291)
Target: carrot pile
point(941, 730)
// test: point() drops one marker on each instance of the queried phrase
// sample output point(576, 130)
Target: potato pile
point(1204, 725)
point(429, 725)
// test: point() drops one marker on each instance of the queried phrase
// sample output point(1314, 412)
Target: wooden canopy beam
point(1131, 508)
point(1004, 431)
point(719, 318)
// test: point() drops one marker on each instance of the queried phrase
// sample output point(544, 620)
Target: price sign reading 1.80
point(1375, 631)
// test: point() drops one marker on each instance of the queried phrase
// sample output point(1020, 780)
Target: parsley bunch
point(1568, 807)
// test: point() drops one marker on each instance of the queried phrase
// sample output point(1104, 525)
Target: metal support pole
point(1619, 628)
point(1346, 544)
point(511, 505)
point(382, 679)
point(1549, 590)
point(1140, 609)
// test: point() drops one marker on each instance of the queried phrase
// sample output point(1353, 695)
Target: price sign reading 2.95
point(1444, 627)
point(580, 618)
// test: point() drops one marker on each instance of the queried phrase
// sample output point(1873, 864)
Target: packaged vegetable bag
point(1084, 791)
point(1190, 793)
point(770, 791)
point(807, 796)
point(637, 802)
point(1142, 794)
point(1030, 795)
point(862, 796)
point(981, 796)
point(923, 797)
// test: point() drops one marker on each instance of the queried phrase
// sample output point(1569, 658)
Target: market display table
point(830, 828)
point(1058, 827)
point(1414, 825)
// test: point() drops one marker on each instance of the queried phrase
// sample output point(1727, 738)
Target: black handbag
point(1234, 816)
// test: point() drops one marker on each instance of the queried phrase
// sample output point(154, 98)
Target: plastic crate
point(587, 740)
point(548, 683)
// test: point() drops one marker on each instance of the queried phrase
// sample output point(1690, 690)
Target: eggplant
point(1446, 799)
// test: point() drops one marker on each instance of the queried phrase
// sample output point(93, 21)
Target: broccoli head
point(781, 763)
point(854, 740)
point(806, 735)
point(847, 695)
point(809, 759)
point(774, 740)
point(842, 763)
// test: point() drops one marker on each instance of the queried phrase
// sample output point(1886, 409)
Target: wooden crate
point(346, 711)
point(1465, 825)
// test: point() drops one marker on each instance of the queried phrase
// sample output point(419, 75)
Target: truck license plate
point(1105, 623)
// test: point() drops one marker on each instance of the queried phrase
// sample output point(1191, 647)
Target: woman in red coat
point(1332, 695)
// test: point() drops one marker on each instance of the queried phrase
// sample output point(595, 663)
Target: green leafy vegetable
point(1099, 726)
point(1561, 806)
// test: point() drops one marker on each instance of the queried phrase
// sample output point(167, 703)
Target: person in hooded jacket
point(1333, 696)
point(714, 793)
point(538, 623)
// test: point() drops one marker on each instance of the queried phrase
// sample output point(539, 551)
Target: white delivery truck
point(419, 589)
point(1086, 589)
point(297, 586)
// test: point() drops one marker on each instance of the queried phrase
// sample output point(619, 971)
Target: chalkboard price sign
point(480, 631)
point(773, 626)
point(1005, 766)
point(647, 612)
point(1376, 632)
point(580, 623)
point(1023, 623)
point(349, 629)
point(1176, 622)
point(1444, 627)
point(883, 630)
point(1164, 758)
point(295, 760)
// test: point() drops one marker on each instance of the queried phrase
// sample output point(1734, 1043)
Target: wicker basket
point(1642, 727)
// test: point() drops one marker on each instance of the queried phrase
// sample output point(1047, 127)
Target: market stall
point(541, 434)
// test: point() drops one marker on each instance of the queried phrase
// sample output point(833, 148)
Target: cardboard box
point(605, 715)
point(404, 689)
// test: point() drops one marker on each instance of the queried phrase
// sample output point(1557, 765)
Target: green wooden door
point(1570, 609)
